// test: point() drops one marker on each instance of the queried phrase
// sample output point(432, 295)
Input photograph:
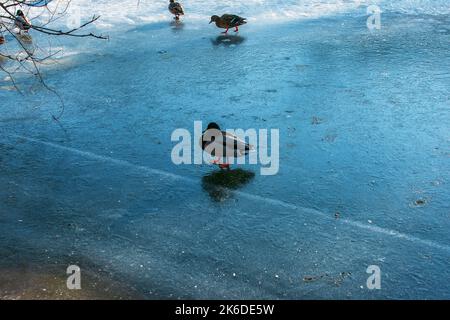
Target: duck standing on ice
point(223, 145)
point(2, 38)
point(228, 21)
point(176, 9)
point(22, 22)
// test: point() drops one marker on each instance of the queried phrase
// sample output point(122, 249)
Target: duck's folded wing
point(176, 8)
point(229, 18)
point(233, 20)
point(179, 8)
point(238, 145)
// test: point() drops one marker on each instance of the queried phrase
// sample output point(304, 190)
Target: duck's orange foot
point(224, 165)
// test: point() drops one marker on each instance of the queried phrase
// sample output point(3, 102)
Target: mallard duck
point(223, 145)
point(22, 22)
point(228, 21)
point(176, 9)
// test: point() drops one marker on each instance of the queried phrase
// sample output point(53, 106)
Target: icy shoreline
point(361, 118)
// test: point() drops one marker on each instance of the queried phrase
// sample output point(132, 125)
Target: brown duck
point(223, 145)
point(228, 21)
point(176, 9)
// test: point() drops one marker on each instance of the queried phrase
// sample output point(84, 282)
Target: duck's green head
point(214, 18)
point(213, 125)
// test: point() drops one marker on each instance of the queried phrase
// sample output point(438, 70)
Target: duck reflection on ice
point(220, 184)
point(228, 40)
point(3, 61)
point(177, 26)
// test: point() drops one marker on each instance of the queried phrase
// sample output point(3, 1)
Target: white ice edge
point(147, 170)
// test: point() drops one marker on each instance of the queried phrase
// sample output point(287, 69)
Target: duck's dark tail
point(248, 148)
point(237, 21)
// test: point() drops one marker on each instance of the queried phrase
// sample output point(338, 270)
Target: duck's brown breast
point(221, 24)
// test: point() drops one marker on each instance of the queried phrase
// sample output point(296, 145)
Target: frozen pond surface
point(364, 126)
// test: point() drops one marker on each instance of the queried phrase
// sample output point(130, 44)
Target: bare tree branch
point(18, 53)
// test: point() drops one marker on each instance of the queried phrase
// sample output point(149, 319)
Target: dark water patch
point(316, 120)
point(219, 184)
point(228, 40)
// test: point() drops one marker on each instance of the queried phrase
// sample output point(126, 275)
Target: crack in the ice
point(360, 225)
